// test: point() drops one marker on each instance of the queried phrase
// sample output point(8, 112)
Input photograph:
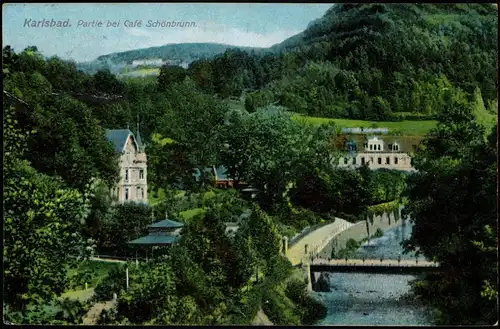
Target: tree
point(127, 221)
point(194, 124)
point(151, 299)
point(169, 75)
point(452, 203)
point(70, 143)
point(42, 223)
point(106, 82)
point(270, 151)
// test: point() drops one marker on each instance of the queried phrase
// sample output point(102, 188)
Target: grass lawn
point(187, 215)
point(142, 72)
point(81, 295)
point(100, 269)
point(408, 128)
point(485, 118)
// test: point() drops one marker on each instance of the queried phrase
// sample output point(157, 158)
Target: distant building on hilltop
point(133, 184)
point(150, 62)
point(377, 152)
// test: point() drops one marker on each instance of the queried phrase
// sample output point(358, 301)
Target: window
point(395, 160)
point(138, 192)
point(126, 175)
point(379, 160)
point(362, 160)
point(371, 160)
point(353, 161)
point(126, 193)
point(379, 147)
point(390, 146)
point(345, 160)
point(142, 193)
point(141, 173)
point(371, 147)
point(395, 147)
point(387, 160)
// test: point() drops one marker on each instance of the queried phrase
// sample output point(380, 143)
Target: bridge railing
point(374, 262)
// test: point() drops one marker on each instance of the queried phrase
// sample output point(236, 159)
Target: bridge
point(388, 266)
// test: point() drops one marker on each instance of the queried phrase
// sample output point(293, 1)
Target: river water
point(374, 299)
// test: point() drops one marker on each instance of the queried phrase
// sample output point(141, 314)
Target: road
point(316, 240)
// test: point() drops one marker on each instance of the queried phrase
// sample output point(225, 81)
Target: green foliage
point(272, 167)
point(333, 190)
point(369, 61)
point(46, 218)
point(114, 282)
point(195, 125)
point(58, 312)
point(127, 221)
point(452, 201)
point(279, 308)
point(169, 75)
point(378, 233)
point(152, 295)
point(310, 309)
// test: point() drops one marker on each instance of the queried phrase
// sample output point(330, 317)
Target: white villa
point(133, 185)
point(378, 153)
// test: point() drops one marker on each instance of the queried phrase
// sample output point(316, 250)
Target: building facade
point(377, 153)
point(133, 184)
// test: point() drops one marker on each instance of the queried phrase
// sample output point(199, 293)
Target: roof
point(221, 173)
point(167, 223)
point(405, 143)
point(119, 137)
point(155, 240)
point(196, 172)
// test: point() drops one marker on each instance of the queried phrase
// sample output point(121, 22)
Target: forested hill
point(182, 53)
point(368, 61)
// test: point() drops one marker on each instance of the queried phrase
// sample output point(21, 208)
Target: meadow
point(407, 128)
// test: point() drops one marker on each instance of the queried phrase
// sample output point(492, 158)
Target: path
point(261, 319)
point(108, 260)
point(316, 240)
point(93, 314)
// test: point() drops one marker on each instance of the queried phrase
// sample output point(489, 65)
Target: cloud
point(204, 32)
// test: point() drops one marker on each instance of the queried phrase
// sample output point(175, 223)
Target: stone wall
point(358, 232)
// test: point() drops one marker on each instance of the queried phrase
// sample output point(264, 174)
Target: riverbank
point(373, 298)
point(359, 232)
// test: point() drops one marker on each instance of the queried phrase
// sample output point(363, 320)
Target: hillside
point(181, 54)
point(369, 62)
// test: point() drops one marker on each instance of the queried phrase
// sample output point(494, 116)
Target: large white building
point(377, 152)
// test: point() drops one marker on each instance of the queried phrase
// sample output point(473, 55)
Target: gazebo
point(163, 233)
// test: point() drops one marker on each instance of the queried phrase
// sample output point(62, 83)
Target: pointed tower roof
point(138, 137)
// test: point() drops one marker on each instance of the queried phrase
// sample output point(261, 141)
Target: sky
point(242, 24)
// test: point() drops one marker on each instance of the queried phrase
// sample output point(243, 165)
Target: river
point(374, 299)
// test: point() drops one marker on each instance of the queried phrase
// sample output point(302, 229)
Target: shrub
point(378, 233)
point(114, 282)
point(352, 244)
point(279, 308)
